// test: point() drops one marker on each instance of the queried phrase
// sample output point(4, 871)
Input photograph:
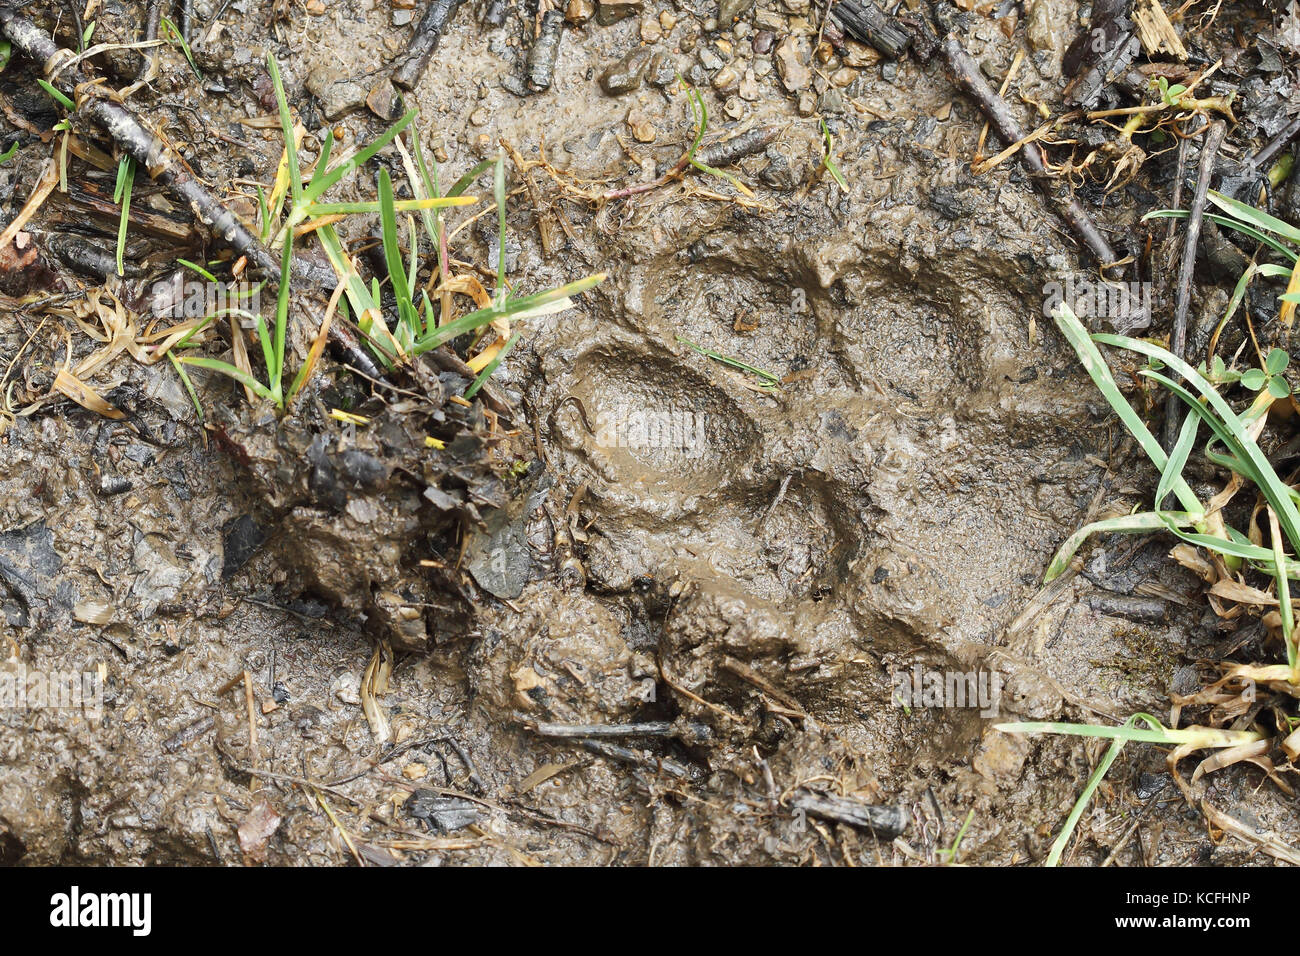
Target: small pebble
point(402, 17)
point(579, 12)
point(347, 688)
point(479, 117)
point(667, 21)
point(710, 59)
point(611, 11)
point(734, 108)
point(763, 41)
point(831, 101)
point(726, 80)
point(625, 75)
point(662, 71)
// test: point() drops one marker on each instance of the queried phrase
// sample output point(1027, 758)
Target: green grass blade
point(122, 194)
point(322, 161)
point(179, 39)
point(1229, 223)
point(1284, 599)
point(1143, 521)
point(1177, 459)
point(225, 368)
point(700, 113)
point(1225, 546)
point(413, 256)
point(481, 317)
point(951, 852)
point(1238, 293)
point(499, 192)
point(58, 97)
point(467, 180)
point(771, 380)
point(828, 159)
point(363, 299)
point(330, 177)
point(1255, 217)
point(276, 370)
point(1089, 788)
point(429, 185)
point(1153, 733)
point(1233, 439)
point(1225, 418)
point(286, 127)
point(399, 205)
point(185, 380)
point(392, 250)
point(1096, 367)
point(195, 267)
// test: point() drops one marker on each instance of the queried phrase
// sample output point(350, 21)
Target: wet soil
point(757, 579)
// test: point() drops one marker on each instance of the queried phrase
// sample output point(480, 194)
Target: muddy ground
point(757, 580)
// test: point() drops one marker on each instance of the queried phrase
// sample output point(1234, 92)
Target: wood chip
point(1156, 32)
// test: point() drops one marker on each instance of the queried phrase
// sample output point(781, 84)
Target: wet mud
point(745, 574)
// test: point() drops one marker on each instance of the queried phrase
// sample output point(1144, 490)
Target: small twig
point(865, 21)
point(883, 822)
point(424, 42)
point(1178, 182)
point(650, 728)
point(1178, 335)
point(252, 718)
point(1274, 147)
point(347, 838)
point(188, 734)
point(627, 755)
point(780, 496)
point(298, 781)
point(966, 75)
point(747, 673)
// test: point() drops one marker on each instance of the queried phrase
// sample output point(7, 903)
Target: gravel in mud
point(753, 573)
